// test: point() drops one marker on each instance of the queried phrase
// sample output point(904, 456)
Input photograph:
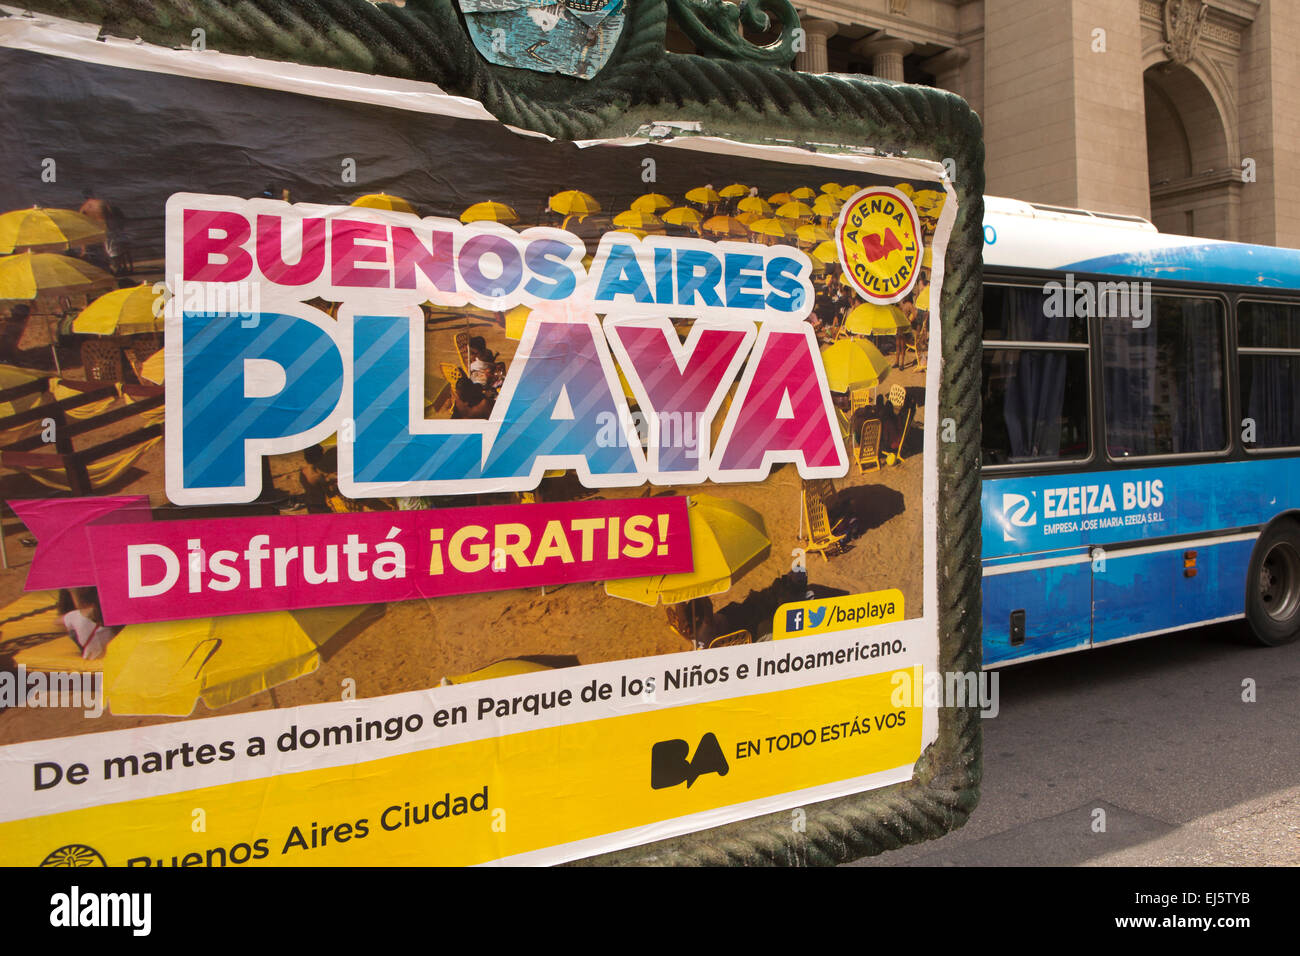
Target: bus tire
point(1273, 585)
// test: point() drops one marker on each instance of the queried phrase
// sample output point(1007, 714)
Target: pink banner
point(62, 558)
point(165, 570)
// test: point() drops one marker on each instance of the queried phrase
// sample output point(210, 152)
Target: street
point(1155, 734)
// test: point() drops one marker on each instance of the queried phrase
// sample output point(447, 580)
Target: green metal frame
point(744, 91)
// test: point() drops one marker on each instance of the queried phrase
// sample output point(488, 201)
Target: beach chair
point(734, 638)
point(462, 349)
point(821, 534)
point(102, 361)
point(452, 373)
point(861, 398)
point(902, 438)
point(914, 349)
point(867, 445)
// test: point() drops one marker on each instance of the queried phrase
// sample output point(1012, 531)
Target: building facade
point(1186, 112)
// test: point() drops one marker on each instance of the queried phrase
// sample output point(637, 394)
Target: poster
point(387, 486)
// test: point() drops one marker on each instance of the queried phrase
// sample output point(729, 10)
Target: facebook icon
point(794, 619)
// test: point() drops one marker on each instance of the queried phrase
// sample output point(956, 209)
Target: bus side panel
point(1148, 592)
point(1057, 602)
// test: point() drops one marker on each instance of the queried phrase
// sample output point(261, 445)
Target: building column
point(886, 56)
point(816, 32)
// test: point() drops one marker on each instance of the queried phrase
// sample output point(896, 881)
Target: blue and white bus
point(1141, 451)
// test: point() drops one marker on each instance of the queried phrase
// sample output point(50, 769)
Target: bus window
point(1269, 362)
point(1163, 382)
point(1035, 388)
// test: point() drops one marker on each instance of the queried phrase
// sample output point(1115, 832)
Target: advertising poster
point(384, 485)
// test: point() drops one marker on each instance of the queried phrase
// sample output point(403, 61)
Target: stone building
point(1186, 112)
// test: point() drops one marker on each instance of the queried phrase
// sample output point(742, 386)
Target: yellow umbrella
point(851, 363)
point(794, 210)
point(755, 204)
point(811, 233)
point(384, 201)
point(772, 227)
point(28, 275)
point(684, 216)
point(734, 190)
point(46, 230)
point(923, 300)
point(703, 194)
point(832, 188)
point(827, 205)
point(927, 260)
point(871, 319)
point(489, 212)
point(928, 199)
point(637, 219)
point(574, 202)
point(120, 312)
point(826, 252)
point(516, 319)
point(651, 203)
point(748, 217)
point(778, 199)
point(907, 189)
point(727, 540)
point(848, 192)
point(803, 192)
point(165, 667)
point(152, 369)
point(726, 226)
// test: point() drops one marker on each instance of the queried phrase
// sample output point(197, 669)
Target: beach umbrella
point(832, 188)
point(703, 194)
point(778, 199)
point(120, 312)
point(848, 192)
point(651, 203)
point(516, 319)
point(574, 202)
point(907, 189)
point(827, 205)
point(636, 219)
point(29, 275)
point(928, 199)
point(489, 212)
point(384, 201)
point(726, 226)
point(728, 539)
point(152, 369)
point(772, 227)
point(684, 216)
point(734, 190)
point(165, 667)
point(871, 319)
point(748, 217)
point(47, 230)
point(851, 363)
point(803, 192)
point(927, 260)
point(755, 204)
point(826, 252)
point(923, 300)
point(794, 210)
point(11, 376)
point(812, 233)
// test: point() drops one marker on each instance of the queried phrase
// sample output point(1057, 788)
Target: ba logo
point(1015, 509)
point(879, 242)
point(671, 762)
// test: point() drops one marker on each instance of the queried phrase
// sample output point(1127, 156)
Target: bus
point(1141, 431)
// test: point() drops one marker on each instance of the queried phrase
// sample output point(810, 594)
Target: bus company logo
point(879, 242)
point(1015, 510)
point(671, 763)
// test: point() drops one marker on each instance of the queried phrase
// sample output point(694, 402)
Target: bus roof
point(1035, 236)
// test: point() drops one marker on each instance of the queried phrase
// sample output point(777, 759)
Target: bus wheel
point(1273, 585)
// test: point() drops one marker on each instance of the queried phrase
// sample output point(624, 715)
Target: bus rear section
point(1140, 435)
